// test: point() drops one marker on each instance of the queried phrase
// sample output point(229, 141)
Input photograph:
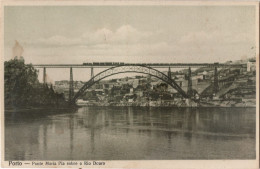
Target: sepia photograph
point(130, 84)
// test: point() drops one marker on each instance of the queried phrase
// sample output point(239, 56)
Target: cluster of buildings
point(148, 89)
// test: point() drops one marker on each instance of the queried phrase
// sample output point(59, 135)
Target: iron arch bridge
point(129, 69)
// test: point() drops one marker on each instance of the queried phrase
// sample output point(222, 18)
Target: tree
point(22, 87)
point(19, 81)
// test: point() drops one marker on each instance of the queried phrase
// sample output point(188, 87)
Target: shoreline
point(9, 109)
point(37, 108)
point(178, 105)
point(170, 106)
point(80, 106)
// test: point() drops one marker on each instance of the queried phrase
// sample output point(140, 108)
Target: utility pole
point(71, 89)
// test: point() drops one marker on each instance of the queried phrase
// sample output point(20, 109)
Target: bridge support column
point(216, 86)
point(169, 73)
point(71, 89)
point(92, 72)
point(189, 90)
point(44, 75)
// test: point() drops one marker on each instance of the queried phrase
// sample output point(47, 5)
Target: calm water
point(131, 134)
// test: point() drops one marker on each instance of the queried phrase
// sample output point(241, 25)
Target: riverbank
point(211, 103)
point(250, 103)
point(40, 108)
point(209, 106)
point(226, 103)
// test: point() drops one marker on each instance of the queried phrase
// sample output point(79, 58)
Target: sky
point(139, 34)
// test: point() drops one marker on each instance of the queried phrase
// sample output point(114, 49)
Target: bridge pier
point(189, 90)
point(169, 73)
point(44, 75)
point(216, 86)
point(71, 89)
point(92, 72)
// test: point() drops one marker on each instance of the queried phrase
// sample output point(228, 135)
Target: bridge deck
point(153, 65)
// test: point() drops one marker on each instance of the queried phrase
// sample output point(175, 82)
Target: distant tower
point(169, 73)
point(216, 87)
point(71, 89)
point(189, 90)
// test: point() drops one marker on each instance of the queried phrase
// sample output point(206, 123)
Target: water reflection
point(108, 133)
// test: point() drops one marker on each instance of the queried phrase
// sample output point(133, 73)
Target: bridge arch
point(129, 69)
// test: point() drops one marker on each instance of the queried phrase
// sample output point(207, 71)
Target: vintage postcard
point(130, 84)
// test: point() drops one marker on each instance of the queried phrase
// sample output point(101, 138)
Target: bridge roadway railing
point(153, 65)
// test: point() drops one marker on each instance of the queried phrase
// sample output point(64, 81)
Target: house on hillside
point(251, 66)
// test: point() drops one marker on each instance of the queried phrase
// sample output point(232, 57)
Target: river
point(130, 133)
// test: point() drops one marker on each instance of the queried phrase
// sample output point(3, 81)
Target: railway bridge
point(113, 68)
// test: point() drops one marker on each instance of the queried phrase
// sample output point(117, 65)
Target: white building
point(251, 66)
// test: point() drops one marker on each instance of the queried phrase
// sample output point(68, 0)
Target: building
point(251, 66)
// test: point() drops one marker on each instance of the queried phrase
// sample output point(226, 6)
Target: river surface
point(130, 133)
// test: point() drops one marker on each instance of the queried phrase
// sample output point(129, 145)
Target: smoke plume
point(17, 50)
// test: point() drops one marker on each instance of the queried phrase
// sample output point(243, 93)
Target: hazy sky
point(77, 34)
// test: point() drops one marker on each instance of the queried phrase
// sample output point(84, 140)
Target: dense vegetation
point(23, 90)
